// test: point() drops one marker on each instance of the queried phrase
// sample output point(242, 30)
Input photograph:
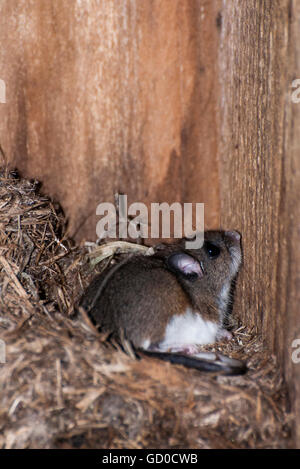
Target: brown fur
point(140, 296)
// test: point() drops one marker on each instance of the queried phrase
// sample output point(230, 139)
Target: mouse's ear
point(185, 264)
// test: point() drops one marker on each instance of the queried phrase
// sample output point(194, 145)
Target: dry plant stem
point(117, 247)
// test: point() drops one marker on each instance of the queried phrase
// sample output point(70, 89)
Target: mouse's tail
point(203, 361)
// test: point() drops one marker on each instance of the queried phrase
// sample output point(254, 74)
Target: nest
point(63, 386)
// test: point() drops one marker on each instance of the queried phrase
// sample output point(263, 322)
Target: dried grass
point(63, 386)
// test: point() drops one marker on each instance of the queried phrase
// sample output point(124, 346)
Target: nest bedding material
point(63, 386)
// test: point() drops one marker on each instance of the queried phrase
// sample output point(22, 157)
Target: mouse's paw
point(186, 349)
point(223, 334)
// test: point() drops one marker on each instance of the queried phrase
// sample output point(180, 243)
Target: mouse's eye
point(212, 250)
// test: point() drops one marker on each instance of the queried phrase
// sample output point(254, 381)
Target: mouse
point(169, 303)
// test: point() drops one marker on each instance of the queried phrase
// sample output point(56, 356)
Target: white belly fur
point(189, 329)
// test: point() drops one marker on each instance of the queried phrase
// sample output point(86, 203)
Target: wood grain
point(107, 96)
point(259, 167)
point(289, 276)
point(254, 91)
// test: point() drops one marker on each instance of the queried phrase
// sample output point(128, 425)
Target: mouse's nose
point(234, 236)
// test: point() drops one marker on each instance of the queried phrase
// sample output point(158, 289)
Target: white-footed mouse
point(169, 303)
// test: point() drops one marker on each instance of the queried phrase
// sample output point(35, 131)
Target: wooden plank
point(289, 290)
point(254, 84)
point(259, 158)
point(112, 96)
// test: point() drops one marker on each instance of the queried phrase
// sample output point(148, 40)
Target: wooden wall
point(289, 280)
point(168, 101)
point(260, 168)
point(107, 96)
point(255, 88)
